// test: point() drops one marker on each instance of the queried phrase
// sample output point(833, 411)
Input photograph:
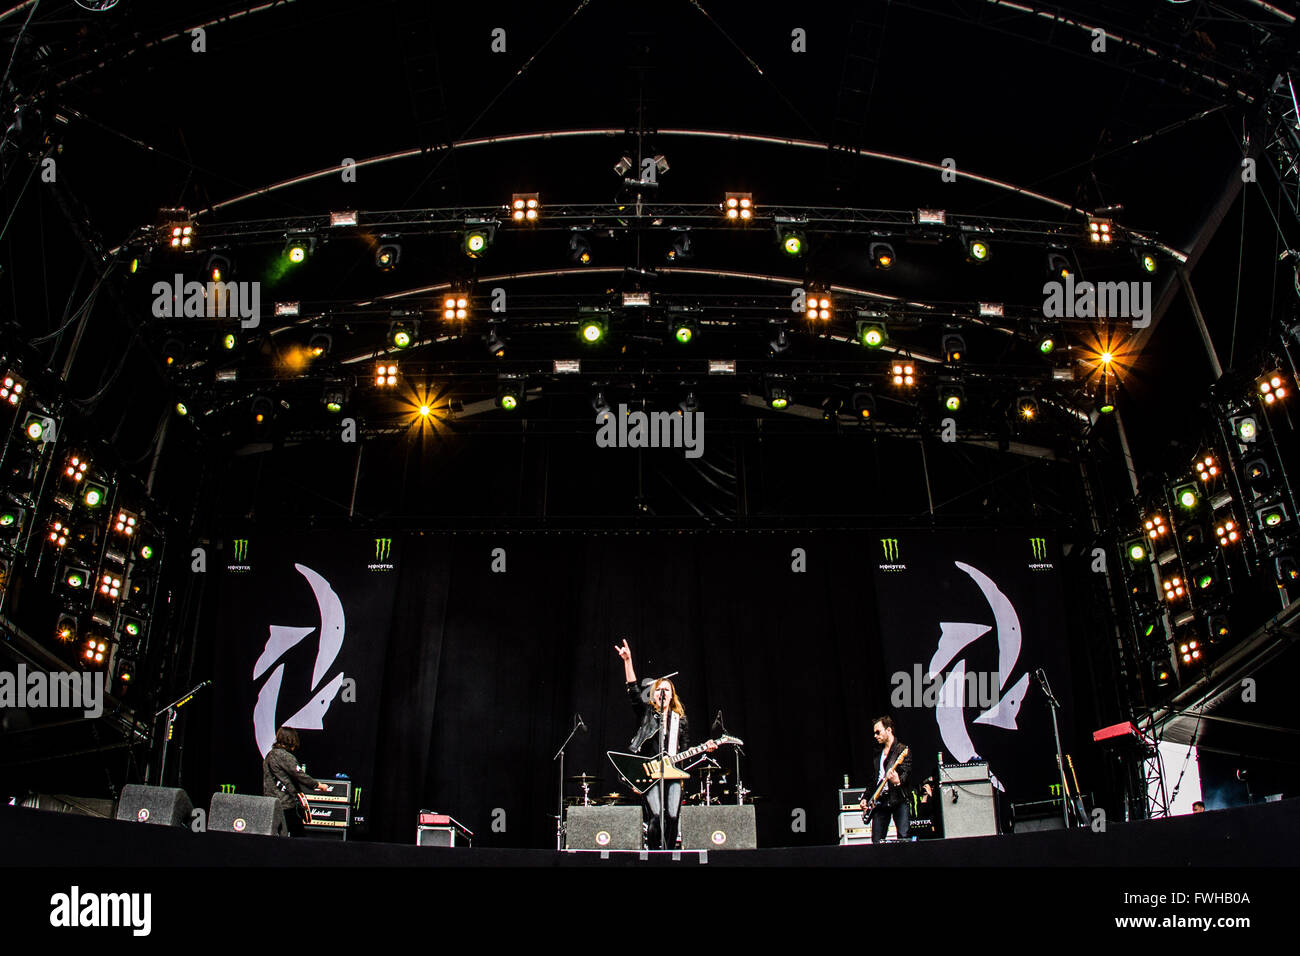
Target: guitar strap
point(673, 723)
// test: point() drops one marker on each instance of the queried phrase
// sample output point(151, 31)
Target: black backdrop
point(480, 671)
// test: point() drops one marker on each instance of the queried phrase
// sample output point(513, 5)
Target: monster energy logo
point(356, 797)
point(890, 547)
point(241, 550)
point(383, 548)
point(1040, 548)
point(227, 788)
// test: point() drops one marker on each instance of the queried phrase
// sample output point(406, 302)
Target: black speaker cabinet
point(603, 828)
point(167, 806)
point(719, 828)
point(245, 813)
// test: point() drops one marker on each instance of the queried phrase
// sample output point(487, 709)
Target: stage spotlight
point(1187, 496)
point(977, 250)
point(1286, 569)
point(493, 341)
point(218, 268)
point(477, 238)
point(182, 409)
point(681, 249)
point(1047, 337)
point(456, 306)
point(319, 344)
point(1271, 518)
point(94, 495)
point(12, 520)
point(689, 404)
point(623, 166)
point(75, 577)
point(261, 410)
point(182, 237)
point(173, 352)
point(580, 248)
point(1058, 266)
point(593, 330)
point(146, 550)
point(387, 256)
point(791, 241)
point(334, 398)
point(1027, 408)
point(1190, 651)
point(525, 207)
point(1135, 549)
point(1155, 527)
point(818, 304)
point(1207, 468)
point(298, 249)
point(38, 428)
point(904, 374)
point(509, 395)
point(11, 389)
point(1204, 578)
point(872, 334)
point(778, 396)
point(1273, 387)
point(125, 524)
point(1218, 628)
point(228, 341)
point(110, 586)
point(779, 342)
point(65, 629)
point(1173, 588)
point(601, 406)
point(864, 405)
point(1160, 675)
point(738, 207)
point(401, 334)
point(1226, 532)
point(1147, 260)
point(1099, 230)
point(386, 374)
point(685, 331)
point(954, 348)
point(1244, 427)
point(882, 255)
point(952, 397)
point(1258, 475)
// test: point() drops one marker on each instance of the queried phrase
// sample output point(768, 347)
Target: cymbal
point(584, 778)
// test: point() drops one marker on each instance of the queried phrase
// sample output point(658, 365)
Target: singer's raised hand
point(625, 652)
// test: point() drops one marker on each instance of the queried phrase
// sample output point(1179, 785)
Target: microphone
point(581, 725)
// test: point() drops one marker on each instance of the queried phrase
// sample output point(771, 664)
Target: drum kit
point(709, 786)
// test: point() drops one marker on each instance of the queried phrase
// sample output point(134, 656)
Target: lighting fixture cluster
point(1099, 230)
point(1156, 527)
point(11, 390)
point(1273, 387)
point(455, 306)
point(125, 523)
point(818, 306)
point(525, 207)
point(76, 469)
point(904, 374)
point(1173, 588)
point(386, 374)
point(1207, 468)
point(738, 207)
point(95, 650)
point(1227, 532)
point(1189, 651)
point(110, 586)
point(58, 534)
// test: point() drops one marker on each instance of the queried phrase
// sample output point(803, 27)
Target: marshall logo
point(241, 550)
point(1040, 548)
point(383, 548)
point(890, 547)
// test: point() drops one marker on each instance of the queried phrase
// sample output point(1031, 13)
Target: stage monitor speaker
point(245, 813)
point(603, 828)
point(966, 797)
point(166, 806)
point(720, 828)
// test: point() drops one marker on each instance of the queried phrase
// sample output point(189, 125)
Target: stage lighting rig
point(510, 393)
point(777, 394)
point(580, 248)
point(11, 389)
point(402, 333)
point(1155, 526)
point(1272, 518)
point(1058, 266)
point(39, 428)
point(1227, 533)
point(738, 207)
point(818, 305)
point(125, 524)
point(780, 341)
point(1146, 259)
point(177, 230)
point(386, 374)
point(298, 248)
point(681, 248)
point(76, 467)
point(1187, 496)
point(690, 403)
point(1190, 651)
point(525, 207)
point(954, 348)
point(882, 255)
point(477, 237)
point(1047, 338)
point(65, 629)
point(12, 521)
point(685, 331)
point(977, 249)
point(1273, 387)
point(593, 328)
point(1207, 467)
point(600, 405)
point(387, 256)
point(1100, 231)
point(1174, 588)
point(790, 236)
point(456, 305)
point(864, 405)
point(1244, 427)
point(1135, 549)
point(952, 396)
point(903, 374)
point(872, 335)
point(218, 268)
point(1026, 407)
point(492, 340)
point(319, 345)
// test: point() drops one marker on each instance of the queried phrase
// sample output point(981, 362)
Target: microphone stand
point(663, 756)
point(1055, 704)
point(559, 755)
point(170, 711)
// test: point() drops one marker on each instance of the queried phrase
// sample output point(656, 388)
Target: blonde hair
point(675, 705)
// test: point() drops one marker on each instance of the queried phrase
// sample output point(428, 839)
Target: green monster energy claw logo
point(227, 788)
point(241, 550)
point(890, 547)
point(1040, 548)
point(383, 548)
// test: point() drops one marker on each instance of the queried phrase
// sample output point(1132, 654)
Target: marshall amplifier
point(334, 815)
point(851, 799)
point(340, 791)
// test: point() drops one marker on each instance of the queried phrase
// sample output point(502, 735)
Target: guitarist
point(284, 779)
point(893, 801)
point(652, 701)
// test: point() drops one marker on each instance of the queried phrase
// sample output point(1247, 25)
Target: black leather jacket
point(647, 734)
point(894, 795)
point(282, 778)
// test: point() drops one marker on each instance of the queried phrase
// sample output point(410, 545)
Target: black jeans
point(880, 821)
point(673, 793)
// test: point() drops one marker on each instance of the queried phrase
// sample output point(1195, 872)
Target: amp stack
point(331, 810)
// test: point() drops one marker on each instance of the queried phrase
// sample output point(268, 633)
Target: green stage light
point(977, 250)
point(872, 334)
point(591, 331)
point(181, 409)
point(1047, 345)
point(94, 495)
point(146, 551)
point(1186, 495)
